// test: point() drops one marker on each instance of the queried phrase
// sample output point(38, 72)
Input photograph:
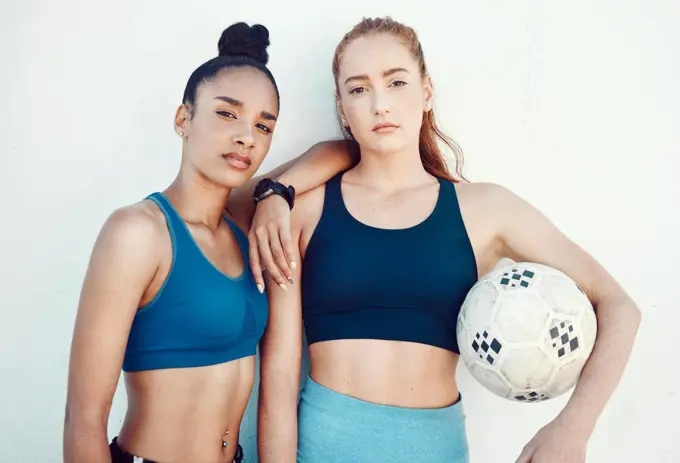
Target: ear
point(428, 89)
point(338, 105)
point(182, 119)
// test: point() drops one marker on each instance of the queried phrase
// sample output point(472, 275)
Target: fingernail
point(291, 280)
point(260, 288)
point(293, 265)
point(283, 287)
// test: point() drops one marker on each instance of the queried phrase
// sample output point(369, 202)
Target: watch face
point(266, 187)
point(263, 186)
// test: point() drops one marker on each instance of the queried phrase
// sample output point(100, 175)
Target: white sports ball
point(525, 331)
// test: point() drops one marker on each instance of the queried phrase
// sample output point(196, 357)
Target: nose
point(381, 102)
point(244, 138)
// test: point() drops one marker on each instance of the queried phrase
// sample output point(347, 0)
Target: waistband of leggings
point(118, 455)
point(314, 392)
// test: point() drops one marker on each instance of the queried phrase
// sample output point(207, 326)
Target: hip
point(334, 427)
point(120, 455)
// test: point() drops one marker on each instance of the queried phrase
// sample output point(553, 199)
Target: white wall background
point(574, 105)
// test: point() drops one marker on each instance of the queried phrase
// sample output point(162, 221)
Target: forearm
point(314, 167)
point(618, 321)
point(277, 418)
point(85, 444)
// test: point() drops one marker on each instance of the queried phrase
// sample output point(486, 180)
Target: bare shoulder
point(125, 257)
point(132, 232)
point(483, 192)
point(139, 221)
point(492, 201)
point(523, 231)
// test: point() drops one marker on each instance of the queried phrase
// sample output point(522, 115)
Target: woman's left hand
point(271, 247)
point(555, 443)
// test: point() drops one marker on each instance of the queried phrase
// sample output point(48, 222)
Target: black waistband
point(118, 455)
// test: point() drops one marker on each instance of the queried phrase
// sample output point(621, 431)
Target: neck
point(198, 199)
point(393, 170)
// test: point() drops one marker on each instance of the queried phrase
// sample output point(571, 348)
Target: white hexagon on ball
point(525, 331)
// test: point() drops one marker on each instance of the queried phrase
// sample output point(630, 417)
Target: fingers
point(287, 243)
point(268, 259)
point(255, 266)
point(271, 245)
point(277, 253)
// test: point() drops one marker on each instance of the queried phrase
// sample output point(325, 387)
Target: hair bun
point(244, 40)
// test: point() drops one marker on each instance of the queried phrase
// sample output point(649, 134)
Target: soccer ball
point(525, 331)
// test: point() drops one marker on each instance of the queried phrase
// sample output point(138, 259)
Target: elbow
point(78, 421)
point(622, 308)
point(631, 312)
point(340, 149)
point(635, 316)
point(329, 144)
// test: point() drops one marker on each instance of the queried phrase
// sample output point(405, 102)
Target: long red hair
point(430, 154)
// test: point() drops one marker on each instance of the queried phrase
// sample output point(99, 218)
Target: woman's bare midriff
point(401, 374)
point(181, 415)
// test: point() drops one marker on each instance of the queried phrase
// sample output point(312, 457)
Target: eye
point(264, 127)
point(398, 83)
point(357, 90)
point(226, 114)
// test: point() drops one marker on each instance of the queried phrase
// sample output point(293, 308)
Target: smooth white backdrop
point(573, 105)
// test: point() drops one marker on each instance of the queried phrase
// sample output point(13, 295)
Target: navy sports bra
point(407, 284)
point(200, 316)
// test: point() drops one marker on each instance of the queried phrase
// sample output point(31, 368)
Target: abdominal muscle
point(402, 374)
point(180, 415)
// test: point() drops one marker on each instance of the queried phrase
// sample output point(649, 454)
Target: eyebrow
point(239, 104)
point(385, 74)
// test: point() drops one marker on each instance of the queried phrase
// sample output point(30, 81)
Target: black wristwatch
point(267, 187)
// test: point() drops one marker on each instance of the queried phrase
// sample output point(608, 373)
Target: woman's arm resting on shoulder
point(269, 237)
point(280, 357)
point(527, 235)
point(122, 264)
point(312, 168)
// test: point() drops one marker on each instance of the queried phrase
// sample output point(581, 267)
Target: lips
point(237, 160)
point(384, 127)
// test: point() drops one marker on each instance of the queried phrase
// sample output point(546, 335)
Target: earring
point(181, 134)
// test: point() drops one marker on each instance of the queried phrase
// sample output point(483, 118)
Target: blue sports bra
point(200, 316)
point(371, 283)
